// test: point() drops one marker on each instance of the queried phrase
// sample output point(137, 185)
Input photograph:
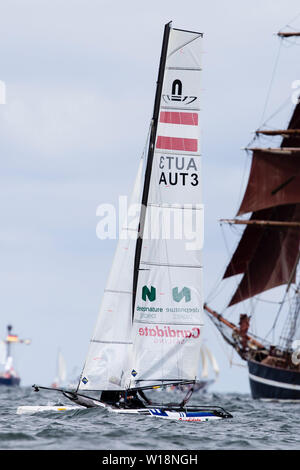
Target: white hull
point(39, 409)
point(184, 415)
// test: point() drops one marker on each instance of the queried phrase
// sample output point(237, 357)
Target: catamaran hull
point(197, 416)
point(10, 381)
point(267, 382)
point(188, 413)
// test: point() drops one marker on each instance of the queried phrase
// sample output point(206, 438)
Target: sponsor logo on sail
point(176, 94)
point(149, 293)
point(177, 295)
point(168, 332)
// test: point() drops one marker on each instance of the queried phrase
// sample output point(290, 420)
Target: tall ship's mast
point(266, 257)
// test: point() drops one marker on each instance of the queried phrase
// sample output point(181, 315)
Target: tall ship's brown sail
point(267, 256)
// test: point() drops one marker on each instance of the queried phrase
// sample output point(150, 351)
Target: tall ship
point(9, 375)
point(267, 257)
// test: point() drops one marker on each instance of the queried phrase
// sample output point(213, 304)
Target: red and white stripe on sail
point(178, 131)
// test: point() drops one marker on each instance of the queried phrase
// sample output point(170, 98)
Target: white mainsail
point(168, 304)
point(111, 343)
point(148, 328)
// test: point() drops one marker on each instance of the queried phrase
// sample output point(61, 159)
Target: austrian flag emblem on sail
point(178, 131)
point(172, 117)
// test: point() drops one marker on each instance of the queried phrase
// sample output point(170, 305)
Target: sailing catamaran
point(267, 256)
point(148, 330)
point(9, 376)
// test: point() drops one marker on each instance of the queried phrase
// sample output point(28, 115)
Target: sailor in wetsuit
point(124, 400)
point(110, 397)
point(132, 400)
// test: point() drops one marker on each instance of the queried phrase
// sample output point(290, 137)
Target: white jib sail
point(168, 306)
point(213, 362)
point(111, 344)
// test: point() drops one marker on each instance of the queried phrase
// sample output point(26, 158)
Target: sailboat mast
point(8, 344)
point(151, 148)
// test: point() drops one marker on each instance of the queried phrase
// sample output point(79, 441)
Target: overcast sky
point(80, 82)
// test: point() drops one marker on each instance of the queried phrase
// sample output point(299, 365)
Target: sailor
point(110, 397)
point(127, 399)
point(131, 399)
point(244, 326)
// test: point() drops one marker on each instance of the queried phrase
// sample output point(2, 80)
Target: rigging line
point(271, 82)
point(250, 143)
point(285, 294)
point(288, 42)
point(288, 100)
point(290, 21)
point(228, 251)
point(272, 330)
point(222, 344)
point(216, 290)
point(242, 185)
point(236, 364)
point(213, 292)
point(147, 140)
point(270, 301)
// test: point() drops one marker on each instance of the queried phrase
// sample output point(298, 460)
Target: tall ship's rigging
point(267, 256)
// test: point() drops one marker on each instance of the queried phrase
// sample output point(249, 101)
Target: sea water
point(255, 425)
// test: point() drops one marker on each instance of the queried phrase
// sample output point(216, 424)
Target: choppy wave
point(255, 425)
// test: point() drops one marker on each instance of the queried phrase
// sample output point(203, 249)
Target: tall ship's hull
point(274, 374)
point(9, 381)
point(274, 383)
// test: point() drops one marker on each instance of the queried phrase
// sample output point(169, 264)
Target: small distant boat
point(61, 371)
point(9, 376)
